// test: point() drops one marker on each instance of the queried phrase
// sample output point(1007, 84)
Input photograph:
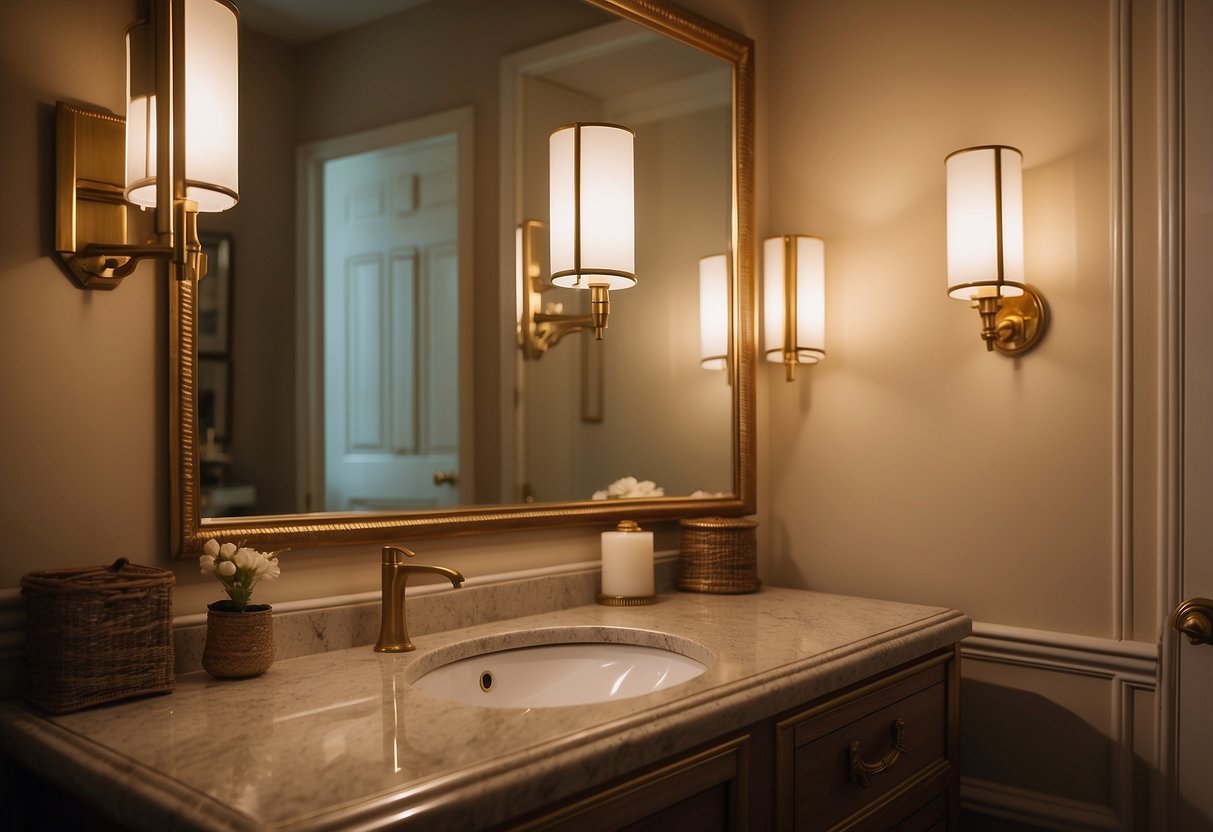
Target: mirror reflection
point(369, 295)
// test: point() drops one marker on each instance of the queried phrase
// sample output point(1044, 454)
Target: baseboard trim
point(1035, 808)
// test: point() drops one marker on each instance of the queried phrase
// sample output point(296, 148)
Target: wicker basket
point(719, 555)
point(97, 634)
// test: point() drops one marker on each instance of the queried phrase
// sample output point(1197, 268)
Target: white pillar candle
point(627, 562)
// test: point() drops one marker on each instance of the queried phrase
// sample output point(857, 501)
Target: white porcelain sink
point(557, 675)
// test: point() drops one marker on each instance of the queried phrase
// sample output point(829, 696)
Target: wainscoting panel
point(1056, 729)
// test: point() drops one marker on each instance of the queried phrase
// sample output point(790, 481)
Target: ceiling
point(302, 21)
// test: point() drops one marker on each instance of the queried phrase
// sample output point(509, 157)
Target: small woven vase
point(238, 644)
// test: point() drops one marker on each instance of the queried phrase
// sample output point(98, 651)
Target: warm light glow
point(714, 312)
point(806, 256)
point(519, 278)
point(592, 214)
point(211, 100)
point(140, 116)
point(985, 222)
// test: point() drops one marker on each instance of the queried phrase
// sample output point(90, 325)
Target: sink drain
point(486, 681)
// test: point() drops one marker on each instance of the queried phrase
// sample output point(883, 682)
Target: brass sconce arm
point(92, 217)
point(1012, 324)
point(542, 327)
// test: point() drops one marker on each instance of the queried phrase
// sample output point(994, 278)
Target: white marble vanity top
point(342, 740)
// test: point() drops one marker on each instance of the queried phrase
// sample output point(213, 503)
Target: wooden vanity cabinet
point(706, 790)
point(880, 755)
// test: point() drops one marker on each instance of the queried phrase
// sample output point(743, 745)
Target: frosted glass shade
point(714, 312)
point(985, 221)
point(796, 264)
point(592, 228)
point(210, 98)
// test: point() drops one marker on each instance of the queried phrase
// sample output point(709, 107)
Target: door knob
point(1194, 618)
point(446, 477)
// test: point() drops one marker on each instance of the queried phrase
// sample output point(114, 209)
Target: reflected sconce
point(174, 154)
point(714, 312)
point(592, 205)
point(540, 326)
point(985, 246)
point(793, 286)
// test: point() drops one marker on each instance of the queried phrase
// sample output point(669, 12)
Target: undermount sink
point(558, 675)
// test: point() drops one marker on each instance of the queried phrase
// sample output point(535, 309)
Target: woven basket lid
point(718, 523)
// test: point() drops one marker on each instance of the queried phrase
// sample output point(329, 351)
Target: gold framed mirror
point(191, 450)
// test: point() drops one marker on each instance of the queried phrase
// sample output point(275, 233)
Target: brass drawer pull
point(862, 772)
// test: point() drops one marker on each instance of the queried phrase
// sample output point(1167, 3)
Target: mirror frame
point(327, 528)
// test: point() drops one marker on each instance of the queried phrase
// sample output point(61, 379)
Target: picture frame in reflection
point(215, 296)
point(214, 400)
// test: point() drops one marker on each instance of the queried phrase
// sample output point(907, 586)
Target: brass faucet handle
point(395, 555)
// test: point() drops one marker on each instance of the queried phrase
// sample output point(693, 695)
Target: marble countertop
point(342, 739)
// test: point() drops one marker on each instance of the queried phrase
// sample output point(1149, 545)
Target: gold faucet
point(393, 626)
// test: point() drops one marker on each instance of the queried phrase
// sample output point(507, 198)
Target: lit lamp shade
point(210, 98)
point(714, 312)
point(794, 267)
point(592, 203)
point(985, 222)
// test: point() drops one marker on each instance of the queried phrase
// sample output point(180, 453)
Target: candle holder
point(627, 566)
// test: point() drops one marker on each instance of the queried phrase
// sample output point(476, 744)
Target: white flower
point(630, 488)
point(247, 559)
point(268, 569)
point(238, 568)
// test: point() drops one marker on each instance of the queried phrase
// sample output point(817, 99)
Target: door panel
point(391, 305)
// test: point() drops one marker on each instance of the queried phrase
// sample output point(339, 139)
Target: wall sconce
point(592, 205)
point(714, 312)
point(180, 141)
point(793, 285)
point(985, 246)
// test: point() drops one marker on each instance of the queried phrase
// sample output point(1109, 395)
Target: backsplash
point(431, 608)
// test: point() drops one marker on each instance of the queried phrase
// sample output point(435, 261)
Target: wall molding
point(1120, 184)
point(1131, 662)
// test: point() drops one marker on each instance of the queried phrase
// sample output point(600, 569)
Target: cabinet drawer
point(704, 791)
point(865, 750)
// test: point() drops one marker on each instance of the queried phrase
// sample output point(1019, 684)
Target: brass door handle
point(1194, 618)
point(446, 477)
point(863, 771)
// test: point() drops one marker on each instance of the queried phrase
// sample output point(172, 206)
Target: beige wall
point(262, 225)
point(912, 464)
point(963, 477)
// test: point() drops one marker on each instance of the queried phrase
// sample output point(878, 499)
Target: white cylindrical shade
point(985, 221)
point(714, 312)
point(627, 564)
point(211, 100)
point(592, 224)
point(799, 261)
